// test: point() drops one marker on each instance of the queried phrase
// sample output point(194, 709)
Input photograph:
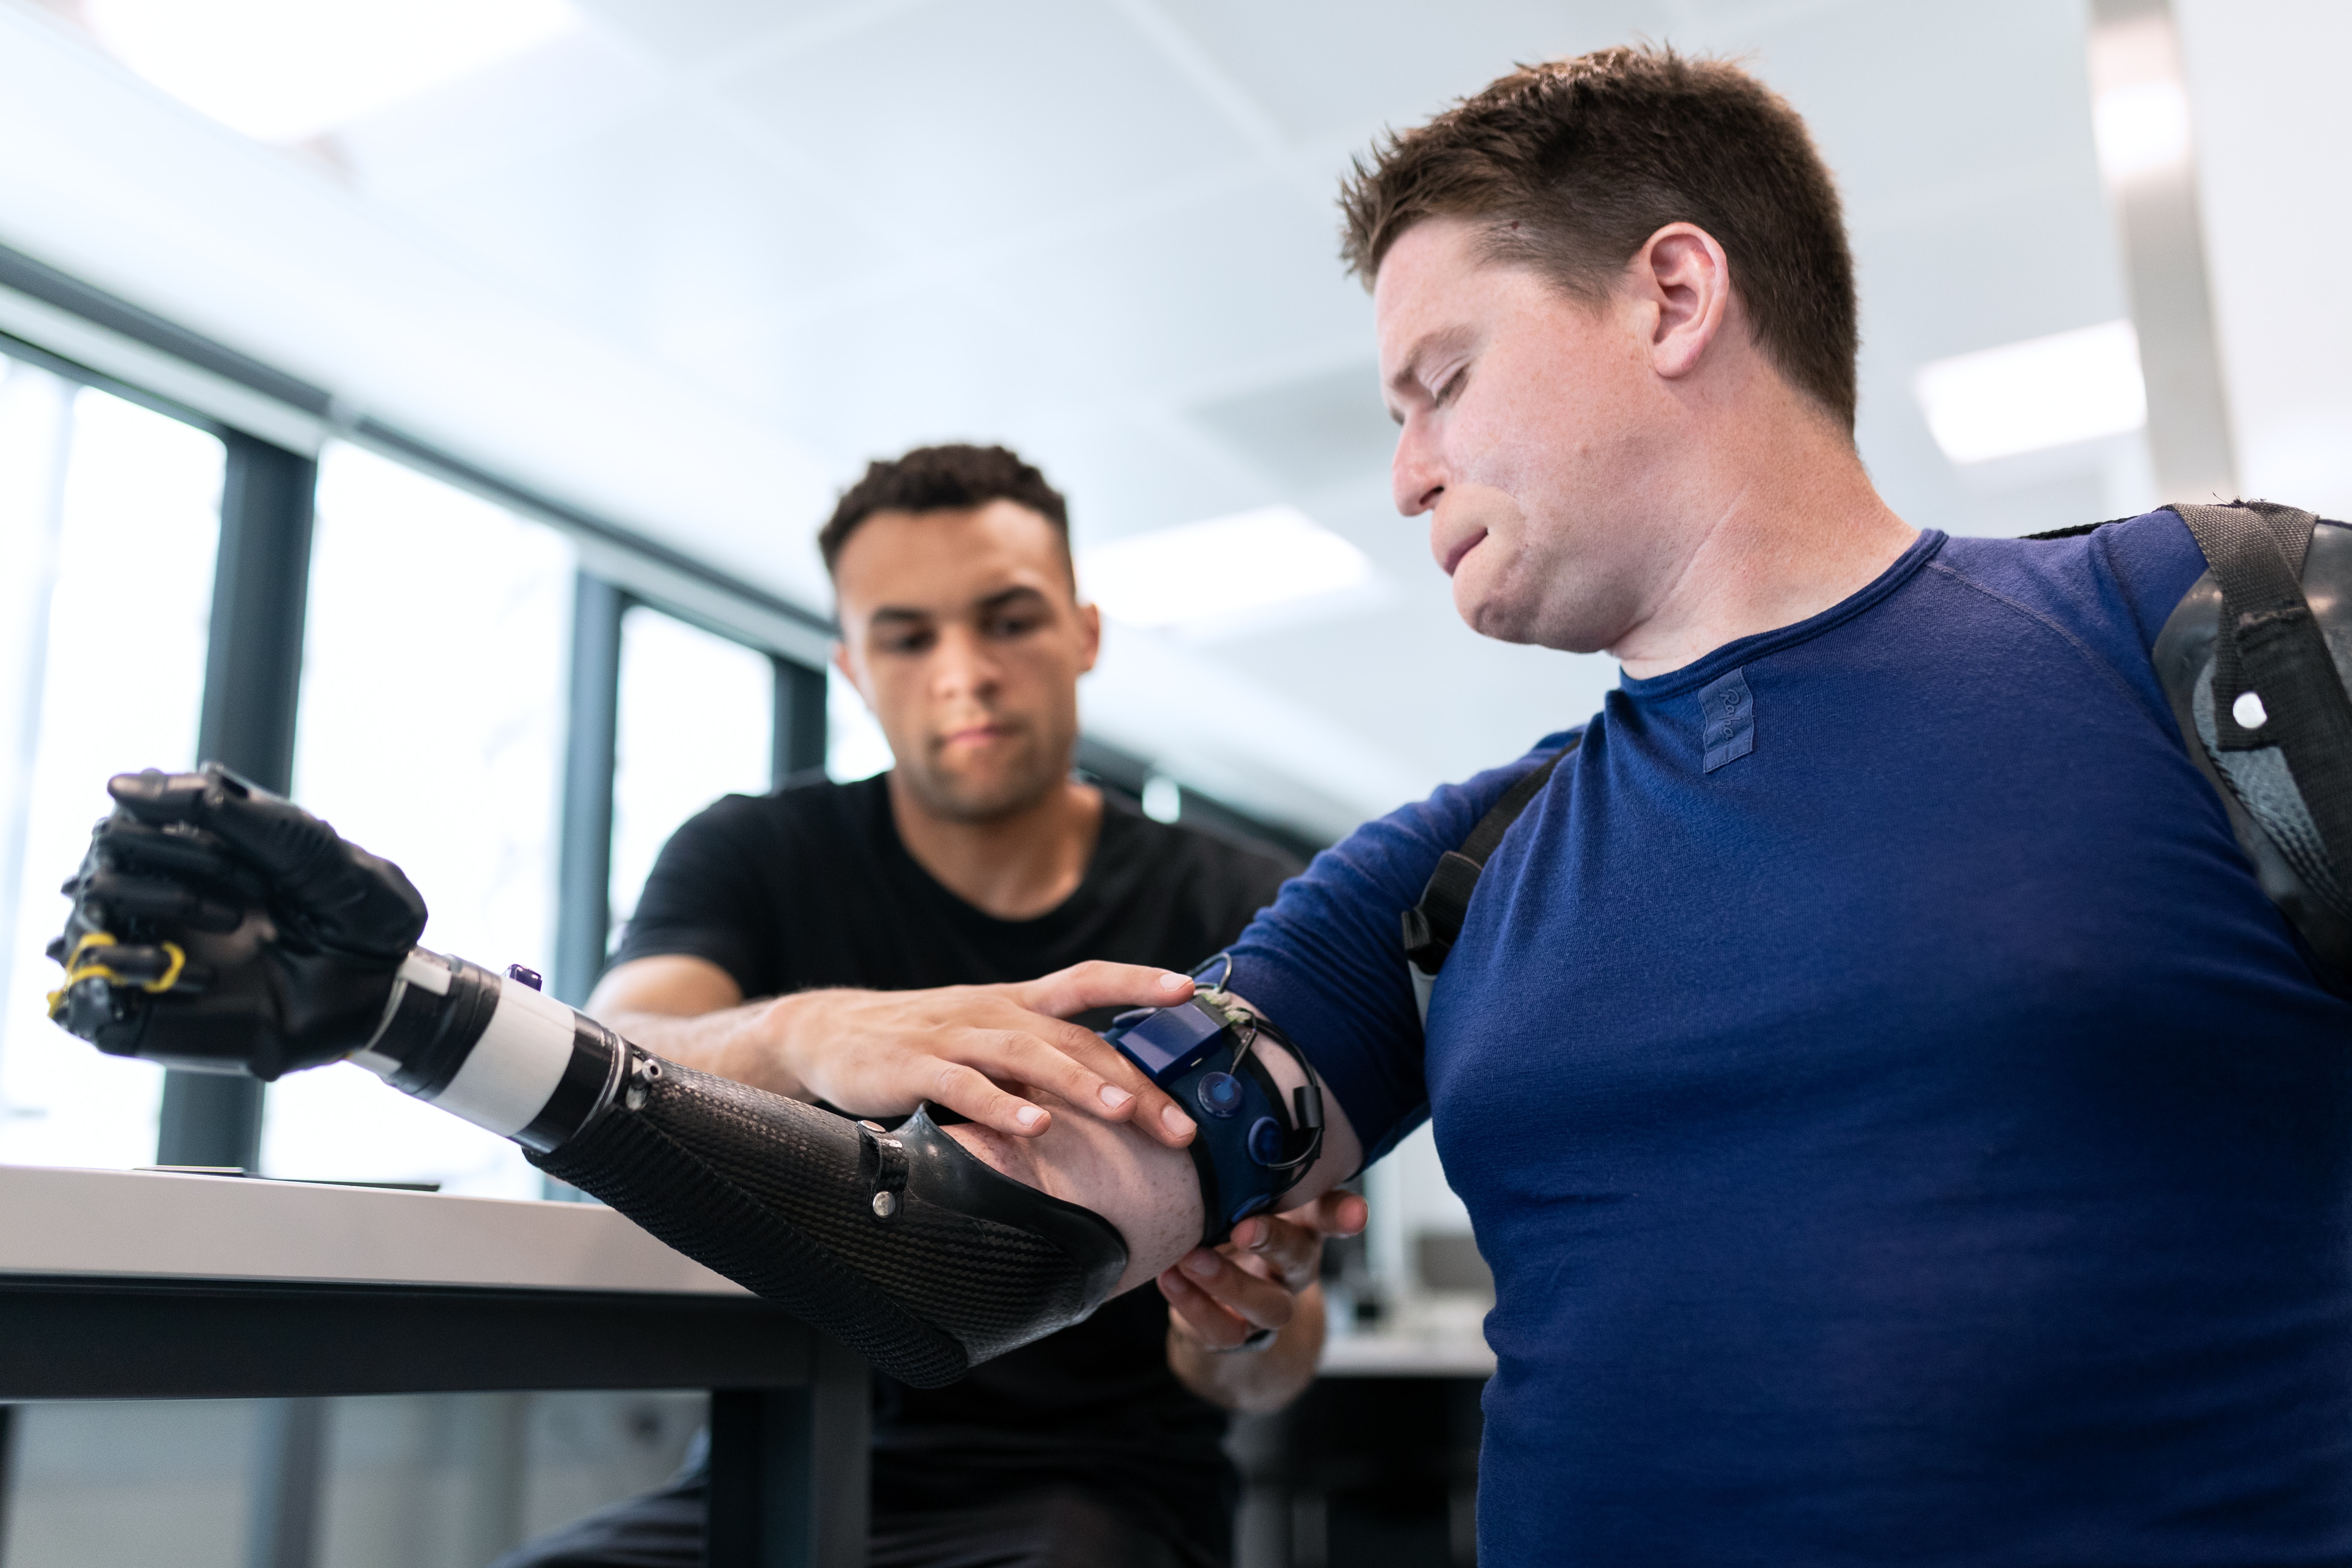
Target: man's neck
point(1015, 867)
point(1785, 524)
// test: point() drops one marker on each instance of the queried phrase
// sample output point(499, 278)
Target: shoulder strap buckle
point(1433, 926)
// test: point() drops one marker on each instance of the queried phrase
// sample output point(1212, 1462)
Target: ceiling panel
point(1344, 69)
point(1904, 96)
point(1321, 428)
point(939, 365)
point(1203, 292)
point(660, 227)
point(695, 32)
point(985, 117)
point(2043, 259)
point(1128, 473)
point(519, 109)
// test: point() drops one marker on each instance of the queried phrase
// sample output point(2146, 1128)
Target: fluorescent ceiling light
point(1228, 573)
point(2029, 396)
point(2142, 129)
point(2139, 99)
point(283, 70)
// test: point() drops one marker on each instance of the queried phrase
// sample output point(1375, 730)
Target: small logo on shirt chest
point(1727, 712)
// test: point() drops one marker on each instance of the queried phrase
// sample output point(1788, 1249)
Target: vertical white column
point(2140, 105)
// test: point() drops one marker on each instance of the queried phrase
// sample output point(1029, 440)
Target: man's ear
point(851, 673)
point(1685, 276)
point(1089, 637)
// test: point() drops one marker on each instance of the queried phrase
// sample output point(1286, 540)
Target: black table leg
point(289, 1485)
point(788, 1469)
point(8, 1425)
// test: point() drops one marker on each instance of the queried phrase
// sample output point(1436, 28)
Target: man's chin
point(1491, 614)
point(977, 800)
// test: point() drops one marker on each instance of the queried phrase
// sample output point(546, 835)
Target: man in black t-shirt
point(975, 861)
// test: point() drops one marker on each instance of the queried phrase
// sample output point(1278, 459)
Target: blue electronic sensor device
point(1167, 1042)
point(1252, 1148)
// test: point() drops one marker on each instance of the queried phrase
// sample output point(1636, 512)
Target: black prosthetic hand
point(216, 926)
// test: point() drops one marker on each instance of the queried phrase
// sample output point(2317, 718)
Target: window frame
point(273, 426)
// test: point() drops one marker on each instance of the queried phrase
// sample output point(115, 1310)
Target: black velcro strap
point(2269, 644)
point(2078, 529)
point(1434, 925)
point(2256, 554)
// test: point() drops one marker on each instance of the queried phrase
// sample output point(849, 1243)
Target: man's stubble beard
point(1009, 793)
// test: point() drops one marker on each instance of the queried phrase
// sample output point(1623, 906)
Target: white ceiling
point(1102, 231)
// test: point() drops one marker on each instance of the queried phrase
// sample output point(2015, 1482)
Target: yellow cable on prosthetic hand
point(77, 970)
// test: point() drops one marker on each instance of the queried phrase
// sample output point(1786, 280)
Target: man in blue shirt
point(1900, 1125)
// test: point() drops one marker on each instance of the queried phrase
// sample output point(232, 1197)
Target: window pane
point(697, 721)
point(854, 746)
point(431, 732)
point(109, 518)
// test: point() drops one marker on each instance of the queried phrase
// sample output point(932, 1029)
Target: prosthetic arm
point(218, 928)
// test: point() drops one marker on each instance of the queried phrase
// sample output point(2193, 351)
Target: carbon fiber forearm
point(781, 1197)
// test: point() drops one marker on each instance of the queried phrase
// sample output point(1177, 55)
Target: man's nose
point(962, 665)
point(1415, 476)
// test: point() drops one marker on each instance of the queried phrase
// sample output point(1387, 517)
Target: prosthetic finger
point(178, 853)
point(899, 1242)
point(327, 891)
point(128, 897)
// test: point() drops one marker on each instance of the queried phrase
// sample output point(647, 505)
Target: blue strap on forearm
point(1252, 1148)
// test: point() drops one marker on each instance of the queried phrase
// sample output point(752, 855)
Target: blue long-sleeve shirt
point(1913, 1137)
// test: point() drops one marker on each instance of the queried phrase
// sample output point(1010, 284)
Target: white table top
point(1406, 1355)
point(158, 1225)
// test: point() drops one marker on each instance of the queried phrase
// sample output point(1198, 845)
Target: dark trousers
point(1055, 1527)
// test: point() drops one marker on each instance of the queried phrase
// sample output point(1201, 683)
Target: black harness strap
point(1434, 925)
point(2270, 645)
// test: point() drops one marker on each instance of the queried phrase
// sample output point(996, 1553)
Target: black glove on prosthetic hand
point(215, 926)
point(218, 928)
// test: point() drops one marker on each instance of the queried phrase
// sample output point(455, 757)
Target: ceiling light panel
point(284, 70)
point(1228, 574)
point(2048, 391)
point(2139, 99)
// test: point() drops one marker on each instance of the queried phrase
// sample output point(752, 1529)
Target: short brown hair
point(943, 479)
point(1572, 166)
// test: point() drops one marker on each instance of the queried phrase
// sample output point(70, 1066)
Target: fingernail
point(1114, 1096)
point(1172, 982)
point(1028, 1116)
point(1258, 1238)
point(1175, 1120)
point(1203, 1264)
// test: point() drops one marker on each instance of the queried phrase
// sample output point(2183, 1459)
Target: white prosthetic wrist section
point(512, 1073)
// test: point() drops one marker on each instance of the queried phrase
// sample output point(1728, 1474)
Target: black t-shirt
point(810, 887)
